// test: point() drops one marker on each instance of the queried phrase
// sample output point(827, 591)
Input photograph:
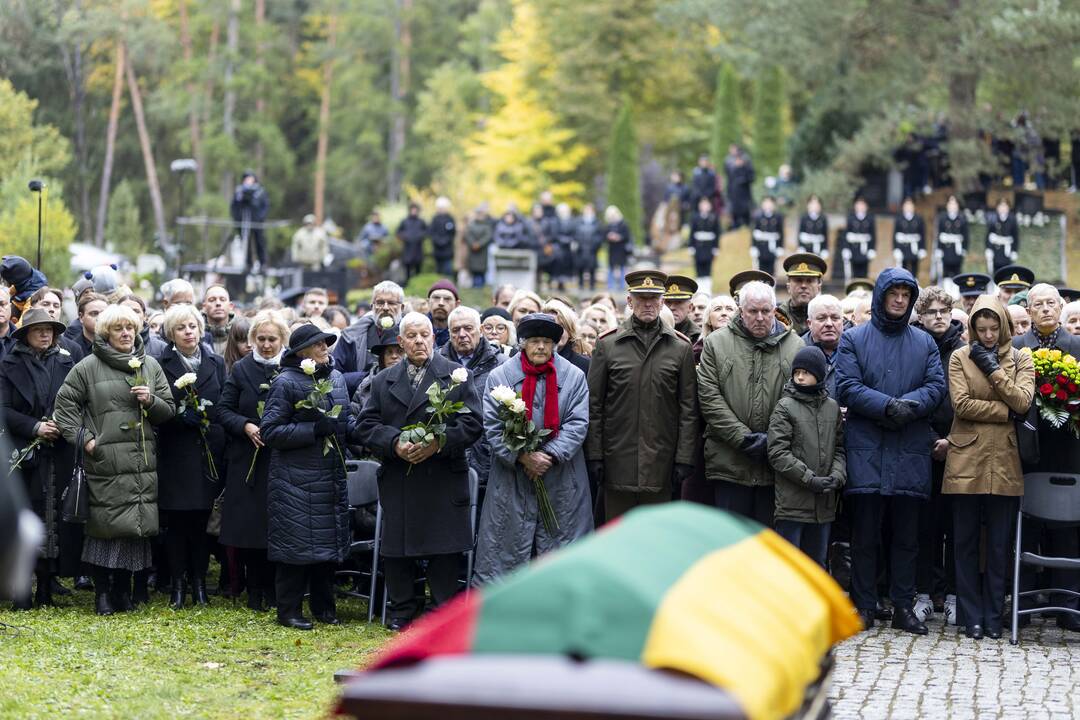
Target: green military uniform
point(642, 406)
point(680, 287)
point(800, 265)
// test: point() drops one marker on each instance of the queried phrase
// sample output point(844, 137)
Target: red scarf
point(551, 397)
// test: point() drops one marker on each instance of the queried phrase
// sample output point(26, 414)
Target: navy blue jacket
point(307, 499)
point(876, 362)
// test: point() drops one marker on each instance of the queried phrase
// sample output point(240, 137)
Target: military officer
point(767, 236)
point(680, 291)
point(1002, 237)
point(909, 238)
point(952, 240)
point(971, 286)
point(741, 278)
point(858, 241)
point(804, 272)
point(814, 229)
point(1012, 279)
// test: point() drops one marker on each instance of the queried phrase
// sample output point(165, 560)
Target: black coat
point(914, 226)
point(588, 239)
point(767, 236)
point(184, 481)
point(1003, 228)
point(857, 227)
point(307, 498)
point(443, 230)
point(950, 227)
point(562, 242)
point(704, 233)
point(740, 181)
point(619, 251)
point(574, 358)
point(425, 511)
point(485, 358)
point(412, 232)
point(1059, 451)
point(28, 387)
point(243, 514)
point(813, 234)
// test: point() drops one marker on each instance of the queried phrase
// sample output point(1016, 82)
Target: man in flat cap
point(678, 295)
point(804, 272)
point(642, 403)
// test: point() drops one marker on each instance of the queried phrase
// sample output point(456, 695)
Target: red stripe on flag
point(450, 631)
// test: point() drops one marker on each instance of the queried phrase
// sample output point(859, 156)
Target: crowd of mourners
point(876, 432)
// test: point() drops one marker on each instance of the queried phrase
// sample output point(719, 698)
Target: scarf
point(260, 360)
point(1047, 341)
point(551, 396)
point(192, 361)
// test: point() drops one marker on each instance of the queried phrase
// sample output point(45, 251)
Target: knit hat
point(812, 360)
point(444, 284)
point(498, 311)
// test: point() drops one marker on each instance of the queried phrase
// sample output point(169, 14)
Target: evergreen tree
point(727, 114)
point(769, 121)
point(123, 229)
point(623, 184)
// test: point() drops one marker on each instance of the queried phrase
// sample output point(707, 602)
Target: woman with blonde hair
point(523, 303)
point(601, 317)
point(569, 346)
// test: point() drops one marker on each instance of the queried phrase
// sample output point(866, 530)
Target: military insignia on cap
point(647, 282)
point(802, 267)
point(673, 288)
point(1015, 279)
point(971, 282)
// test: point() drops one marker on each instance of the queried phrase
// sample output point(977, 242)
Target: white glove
point(1014, 256)
point(754, 253)
point(922, 254)
point(939, 254)
point(898, 256)
point(845, 253)
point(824, 254)
point(871, 253)
point(989, 261)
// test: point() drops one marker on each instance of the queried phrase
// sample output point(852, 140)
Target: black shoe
point(975, 632)
point(121, 601)
point(1068, 621)
point(84, 583)
point(255, 600)
point(297, 622)
point(397, 624)
point(176, 597)
point(198, 593)
point(904, 619)
point(43, 595)
point(882, 611)
point(992, 631)
point(141, 594)
point(867, 617)
point(23, 603)
point(939, 602)
point(56, 588)
point(102, 604)
point(327, 618)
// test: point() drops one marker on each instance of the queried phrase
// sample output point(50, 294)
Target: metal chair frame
point(360, 495)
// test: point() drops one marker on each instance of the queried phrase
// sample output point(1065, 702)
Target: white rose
point(308, 366)
point(503, 394)
point(386, 323)
point(134, 363)
point(518, 406)
point(184, 380)
point(460, 375)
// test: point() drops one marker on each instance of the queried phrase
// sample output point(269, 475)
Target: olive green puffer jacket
point(96, 395)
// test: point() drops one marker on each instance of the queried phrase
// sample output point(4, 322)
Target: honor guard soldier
point(952, 240)
point(767, 236)
point(971, 286)
point(909, 238)
point(814, 230)
point(1011, 280)
point(804, 272)
point(1002, 237)
point(858, 242)
point(680, 291)
point(704, 237)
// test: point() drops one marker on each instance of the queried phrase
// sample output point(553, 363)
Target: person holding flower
point(423, 485)
point(1059, 451)
point(30, 376)
point(991, 384)
point(191, 446)
point(108, 401)
point(554, 394)
point(304, 423)
point(243, 513)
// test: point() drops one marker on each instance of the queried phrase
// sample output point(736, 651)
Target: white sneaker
point(924, 608)
point(950, 609)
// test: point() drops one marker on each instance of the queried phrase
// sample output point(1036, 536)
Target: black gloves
point(596, 472)
point(682, 473)
point(190, 417)
point(324, 426)
point(755, 445)
point(900, 412)
point(823, 484)
point(984, 358)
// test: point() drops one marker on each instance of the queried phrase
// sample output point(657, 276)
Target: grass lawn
point(224, 661)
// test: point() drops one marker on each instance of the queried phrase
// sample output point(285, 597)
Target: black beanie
point(812, 360)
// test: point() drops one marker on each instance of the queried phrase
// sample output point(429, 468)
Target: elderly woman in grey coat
point(556, 395)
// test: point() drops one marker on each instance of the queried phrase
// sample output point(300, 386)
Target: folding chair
point(362, 479)
point(1053, 498)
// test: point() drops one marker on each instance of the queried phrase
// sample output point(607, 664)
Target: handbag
point(1027, 430)
point(213, 523)
point(75, 502)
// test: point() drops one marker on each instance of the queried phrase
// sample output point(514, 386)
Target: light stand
point(179, 167)
point(37, 186)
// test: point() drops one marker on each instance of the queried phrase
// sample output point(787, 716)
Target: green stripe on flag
point(597, 598)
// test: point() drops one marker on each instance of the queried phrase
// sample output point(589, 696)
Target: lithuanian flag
point(680, 586)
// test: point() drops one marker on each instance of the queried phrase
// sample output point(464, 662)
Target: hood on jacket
point(1005, 326)
point(890, 278)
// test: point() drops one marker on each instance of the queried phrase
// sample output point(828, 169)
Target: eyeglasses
point(386, 303)
point(942, 312)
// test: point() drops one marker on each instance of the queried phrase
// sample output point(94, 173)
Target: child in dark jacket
point(806, 449)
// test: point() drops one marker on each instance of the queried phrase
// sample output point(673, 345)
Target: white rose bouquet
point(320, 389)
point(198, 405)
point(441, 409)
point(522, 435)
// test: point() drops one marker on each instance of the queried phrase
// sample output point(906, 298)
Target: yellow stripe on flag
point(755, 618)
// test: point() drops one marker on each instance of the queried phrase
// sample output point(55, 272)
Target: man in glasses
point(352, 356)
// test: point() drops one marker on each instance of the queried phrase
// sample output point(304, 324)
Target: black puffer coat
point(184, 481)
point(307, 499)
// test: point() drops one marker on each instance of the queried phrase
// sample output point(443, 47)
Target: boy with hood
point(806, 450)
point(890, 379)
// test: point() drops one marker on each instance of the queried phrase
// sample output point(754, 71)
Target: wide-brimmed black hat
point(37, 316)
point(306, 336)
point(539, 325)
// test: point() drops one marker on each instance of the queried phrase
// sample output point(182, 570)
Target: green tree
point(623, 184)
point(123, 229)
point(769, 120)
point(727, 126)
